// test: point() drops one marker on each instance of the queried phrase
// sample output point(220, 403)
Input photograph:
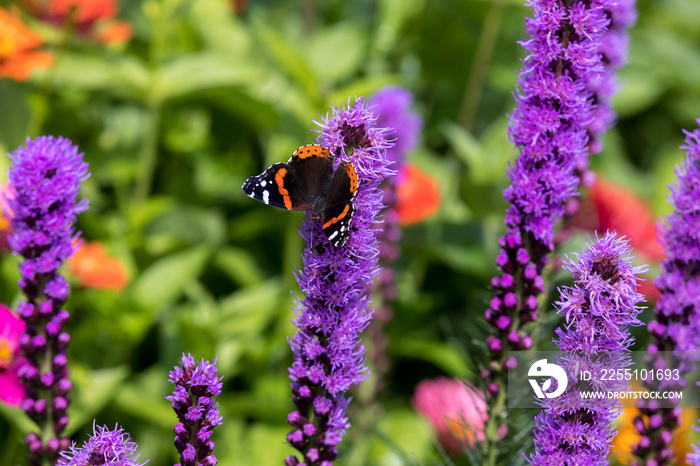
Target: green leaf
point(322, 52)
point(362, 87)
point(120, 75)
point(14, 117)
point(265, 447)
point(440, 354)
point(203, 70)
point(239, 265)
point(94, 389)
point(18, 419)
point(639, 91)
point(486, 159)
point(191, 225)
point(219, 29)
point(291, 60)
point(143, 398)
point(141, 214)
point(241, 104)
point(243, 316)
point(165, 279)
point(411, 438)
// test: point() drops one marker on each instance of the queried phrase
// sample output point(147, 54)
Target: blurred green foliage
point(201, 97)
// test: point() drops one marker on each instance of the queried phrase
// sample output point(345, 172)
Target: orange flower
point(627, 436)
point(622, 210)
point(18, 57)
point(93, 18)
point(116, 32)
point(418, 195)
point(95, 269)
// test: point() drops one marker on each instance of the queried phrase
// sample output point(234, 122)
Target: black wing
point(339, 209)
point(271, 187)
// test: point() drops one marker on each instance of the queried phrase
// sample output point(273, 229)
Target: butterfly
point(307, 182)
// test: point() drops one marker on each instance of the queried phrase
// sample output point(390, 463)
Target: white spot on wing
point(263, 183)
point(335, 233)
point(266, 197)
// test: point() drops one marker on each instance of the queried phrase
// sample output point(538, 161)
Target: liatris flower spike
point(603, 85)
point(676, 324)
point(392, 106)
point(105, 447)
point(599, 309)
point(548, 127)
point(328, 356)
point(198, 412)
point(45, 178)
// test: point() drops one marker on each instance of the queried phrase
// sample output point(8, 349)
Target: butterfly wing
point(311, 170)
point(339, 209)
point(295, 185)
point(265, 187)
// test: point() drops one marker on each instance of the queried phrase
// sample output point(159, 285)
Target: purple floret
point(676, 324)
point(105, 447)
point(44, 180)
point(197, 410)
point(333, 310)
point(599, 309)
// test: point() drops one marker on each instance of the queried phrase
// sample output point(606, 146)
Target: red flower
point(18, 44)
point(418, 195)
point(11, 329)
point(93, 268)
point(93, 18)
point(622, 210)
point(456, 409)
point(613, 207)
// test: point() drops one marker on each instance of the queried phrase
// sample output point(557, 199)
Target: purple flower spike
point(392, 106)
point(198, 412)
point(676, 327)
point(45, 178)
point(549, 128)
point(603, 85)
point(105, 447)
point(328, 356)
point(599, 309)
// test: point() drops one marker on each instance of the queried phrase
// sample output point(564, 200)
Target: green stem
point(493, 426)
point(475, 84)
point(148, 156)
point(308, 16)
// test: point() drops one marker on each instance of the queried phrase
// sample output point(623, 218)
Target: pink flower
point(11, 329)
point(456, 409)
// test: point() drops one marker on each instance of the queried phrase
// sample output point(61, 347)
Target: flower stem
point(148, 156)
point(482, 59)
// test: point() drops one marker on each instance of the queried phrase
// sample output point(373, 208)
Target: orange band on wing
point(279, 179)
point(352, 174)
point(312, 150)
point(338, 218)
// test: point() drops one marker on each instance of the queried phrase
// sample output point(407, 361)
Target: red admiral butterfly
point(307, 182)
